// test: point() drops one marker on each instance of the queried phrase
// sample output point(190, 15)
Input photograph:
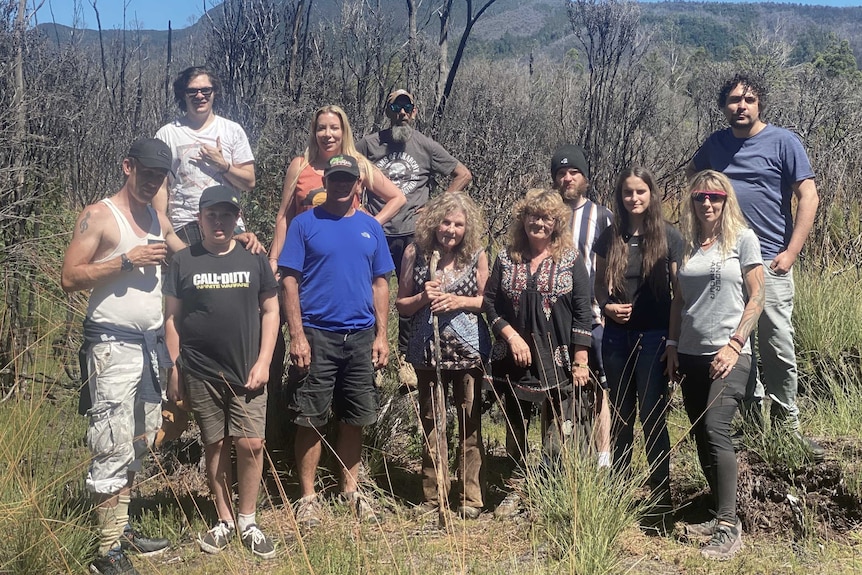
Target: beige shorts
point(223, 410)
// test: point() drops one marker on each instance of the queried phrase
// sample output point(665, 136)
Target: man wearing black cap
point(221, 319)
point(116, 251)
point(335, 264)
point(571, 177)
point(411, 160)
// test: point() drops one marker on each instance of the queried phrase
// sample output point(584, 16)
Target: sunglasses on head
point(713, 195)
point(396, 107)
point(205, 92)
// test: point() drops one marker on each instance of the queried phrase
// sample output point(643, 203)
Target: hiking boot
point(216, 539)
point(360, 506)
point(469, 512)
point(509, 507)
point(406, 376)
point(816, 451)
point(257, 542)
point(132, 541)
point(308, 511)
point(705, 529)
point(114, 563)
point(726, 541)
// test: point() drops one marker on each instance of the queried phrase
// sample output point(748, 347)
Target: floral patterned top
point(550, 309)
point(464, 338)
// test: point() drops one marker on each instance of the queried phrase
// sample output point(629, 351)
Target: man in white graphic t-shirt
point(208, 150)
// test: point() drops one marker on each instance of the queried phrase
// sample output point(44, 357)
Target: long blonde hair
point(439, 208)
point(311, 155)
point(539, 201)
point(732, 220)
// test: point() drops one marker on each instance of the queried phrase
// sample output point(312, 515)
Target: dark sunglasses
point(205, 92)
point(395, 107)
point(713, 197)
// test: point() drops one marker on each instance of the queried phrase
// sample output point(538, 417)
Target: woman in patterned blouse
point(451, 225)
point(537, 301)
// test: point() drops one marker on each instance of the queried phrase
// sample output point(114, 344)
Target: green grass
point(580, 521)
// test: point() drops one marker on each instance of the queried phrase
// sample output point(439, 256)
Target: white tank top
point(132, 299)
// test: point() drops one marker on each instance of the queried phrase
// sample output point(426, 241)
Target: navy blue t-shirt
point(762, 169)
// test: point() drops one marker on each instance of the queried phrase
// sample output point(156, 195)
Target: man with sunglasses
point(411, 160)
point(768, 167)
point(208, 150)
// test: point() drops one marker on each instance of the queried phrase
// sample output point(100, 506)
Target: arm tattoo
point(84, 223)
point(756, 300)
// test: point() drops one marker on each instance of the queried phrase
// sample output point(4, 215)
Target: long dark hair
point(653, 240)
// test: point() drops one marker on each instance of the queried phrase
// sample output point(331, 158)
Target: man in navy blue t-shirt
point(768, 166)
point(335, 264)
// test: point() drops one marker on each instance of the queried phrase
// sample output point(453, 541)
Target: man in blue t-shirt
point(335, 264)
point(768, 166)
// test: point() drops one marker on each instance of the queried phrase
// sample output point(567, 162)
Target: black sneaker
point(114, 563)
point(257, 542)
point(726, 541)
point(216, 539)
point(132, 541)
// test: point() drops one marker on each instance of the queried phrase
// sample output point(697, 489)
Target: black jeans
point(711, 405)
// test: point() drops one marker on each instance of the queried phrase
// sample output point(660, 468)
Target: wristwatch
point(127, 264)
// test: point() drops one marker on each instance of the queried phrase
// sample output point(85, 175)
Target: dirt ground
point(813, 503)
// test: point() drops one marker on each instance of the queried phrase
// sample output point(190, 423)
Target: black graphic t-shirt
point(411, 166)
point(220, 324)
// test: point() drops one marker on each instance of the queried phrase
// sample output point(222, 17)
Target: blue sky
point(154, 14)
point(150, 14)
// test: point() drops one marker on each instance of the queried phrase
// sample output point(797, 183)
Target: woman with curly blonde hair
point(538, 304)
point(330, 135)
point(717, 298)
point(452, 226)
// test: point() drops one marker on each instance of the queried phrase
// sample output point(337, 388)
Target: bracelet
point(671, 343)
point(730, 345)
point(583, 365)
point(511, 337)
point(226, 170)
point(738, 340)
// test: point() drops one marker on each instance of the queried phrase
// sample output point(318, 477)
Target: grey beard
point(400, 134)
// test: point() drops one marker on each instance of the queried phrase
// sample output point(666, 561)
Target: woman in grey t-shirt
point(718, 297)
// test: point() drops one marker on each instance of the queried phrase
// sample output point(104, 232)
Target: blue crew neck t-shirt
point(762, 169)
point(338, 257)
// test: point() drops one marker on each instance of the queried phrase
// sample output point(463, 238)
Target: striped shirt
point(588, 222)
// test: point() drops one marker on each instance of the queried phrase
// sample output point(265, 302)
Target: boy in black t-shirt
point(221, 319)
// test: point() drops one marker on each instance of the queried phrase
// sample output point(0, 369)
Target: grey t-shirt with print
point(411, 166)
point(712, 287)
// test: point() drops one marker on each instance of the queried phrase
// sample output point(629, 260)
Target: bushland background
point(501, 84)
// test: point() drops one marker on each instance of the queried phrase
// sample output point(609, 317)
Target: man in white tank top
point(116, 251)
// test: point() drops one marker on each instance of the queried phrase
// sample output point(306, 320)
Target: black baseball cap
point(219, 195)
point(152, 153)
point(342, 165)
